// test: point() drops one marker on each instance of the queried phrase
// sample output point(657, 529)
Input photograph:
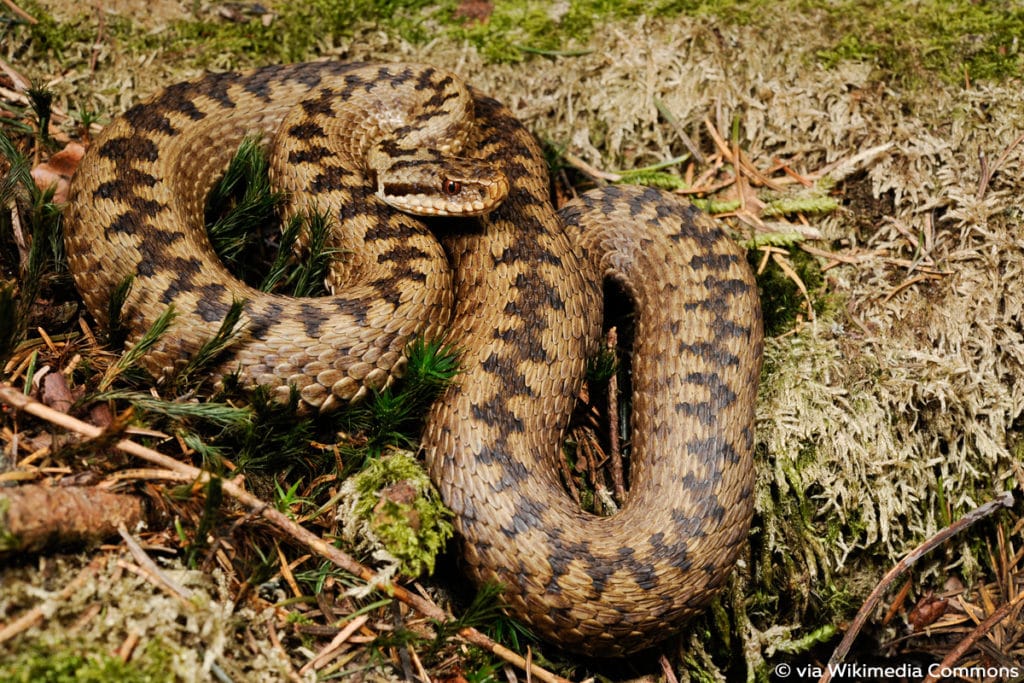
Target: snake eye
point(451, 187)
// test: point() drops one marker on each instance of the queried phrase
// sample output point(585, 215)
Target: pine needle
point(218, 414)
point(211, 350)
point(242, 203)
point(308, 278)
point(10, 327)
point(38, 220)
point(392, 417)
point(283, 259)
point(116, 330)
point(131, 357)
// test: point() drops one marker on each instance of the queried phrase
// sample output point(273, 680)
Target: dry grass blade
point(678, 128)
point(151, 571)
point(330, 650)
point(989, 171)
point(780, 260)
point(909, 282)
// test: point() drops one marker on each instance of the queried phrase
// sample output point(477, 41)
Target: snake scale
point(516, 286)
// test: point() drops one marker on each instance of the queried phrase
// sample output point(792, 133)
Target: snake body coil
point(521, 300)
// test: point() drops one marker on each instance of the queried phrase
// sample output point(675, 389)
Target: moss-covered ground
point(869, 155)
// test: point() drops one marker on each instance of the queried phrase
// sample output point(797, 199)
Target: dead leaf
point(57, 171)
point(56, 393)
point(474, 11)
point(926, 612)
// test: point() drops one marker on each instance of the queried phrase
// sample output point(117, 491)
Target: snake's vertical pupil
point(451, 187)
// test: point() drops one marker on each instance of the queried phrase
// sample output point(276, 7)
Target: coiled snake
point(521, 300)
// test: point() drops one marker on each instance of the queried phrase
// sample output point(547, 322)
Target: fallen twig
point(20, 12)
point(297, 533)
point(984, 627)
point(152, 572)
point(735, 156)
point(909, 282)
point(587, 169)
point(329, 651)
point(614, 450)
point(1006, 500)
point(840, 169)
point(678, 128)
point(781, 261)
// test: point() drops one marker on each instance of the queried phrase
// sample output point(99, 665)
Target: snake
point(445, 228)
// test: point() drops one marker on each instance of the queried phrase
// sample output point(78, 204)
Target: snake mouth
point(447, 197)
point(428, 183)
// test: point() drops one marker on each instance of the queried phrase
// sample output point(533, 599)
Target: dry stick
point(299, 534)
point(666, 668)
point(909, 282)
point(158, 576)
point(984, 627)
point(1006, 500)
point(276, 642)
point(97, 46)
point(38, 517)
point(734, 155)
point(563, 467)
point(587, 169)
point(843, 168)
point(783, 264)
point(329, 651)
point(149, 570)
point(615, 451)
point(20, 12)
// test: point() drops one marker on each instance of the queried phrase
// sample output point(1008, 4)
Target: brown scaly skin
point(136, 208)
point(526, 285)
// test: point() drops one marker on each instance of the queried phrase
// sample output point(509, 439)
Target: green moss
point(803, 644)
point(400, 508)
point(909, 42)
point(394, 416)
point(949, 39)
point(287, 37)
point(837, 600)
point(782, 302)
point(953, 39)
point(8, 541)
point(48, 36)
point(517, 29)
point(66, 663)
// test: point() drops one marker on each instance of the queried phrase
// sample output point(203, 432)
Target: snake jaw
point(467, 198)
point(432, 183)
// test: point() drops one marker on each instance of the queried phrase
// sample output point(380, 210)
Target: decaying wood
point(35, 518)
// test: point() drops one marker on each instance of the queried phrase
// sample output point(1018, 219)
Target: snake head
point(427, 184)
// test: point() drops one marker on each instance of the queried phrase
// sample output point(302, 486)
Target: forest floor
point(870, 158)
